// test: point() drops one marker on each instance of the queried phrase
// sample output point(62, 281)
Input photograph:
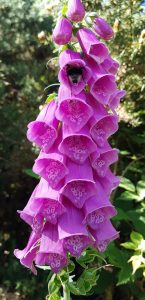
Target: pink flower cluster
point(70, 207)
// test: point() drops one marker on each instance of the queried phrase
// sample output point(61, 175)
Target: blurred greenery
point(25, 48)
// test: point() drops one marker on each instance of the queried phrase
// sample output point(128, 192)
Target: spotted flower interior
point(70, 208)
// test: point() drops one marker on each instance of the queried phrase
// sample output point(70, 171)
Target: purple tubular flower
point(73, 110)
point(79, 183)
point(76, 10)
point(74, 73)
point(102, 87)
point(51, 250)
point(71, 230)
point(51, 167)
point(103, 29)
point(110, 65)
point(27, 255)
point(106, 157)
point(115, 98)
point(104, 234)
point(98, 208)
point(102, 125)
point(62, 32)
point(109, 182)
point(43, 131)
point(91, 45)
point(44, 205)
point(77, 146)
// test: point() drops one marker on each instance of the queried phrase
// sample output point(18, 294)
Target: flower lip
point(77, 146)
point(74, 111)
point(79, 184)
point(51, 167)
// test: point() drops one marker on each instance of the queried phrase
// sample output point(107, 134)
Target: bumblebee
point(75, 74)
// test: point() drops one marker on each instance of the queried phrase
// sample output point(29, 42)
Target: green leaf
point(30, 173)
point(51, 97)
point(74, 289)
point(53, 285)
point(141, 189)
point(128, 196)
point(54, 297)
point(129, 245)
point(121, 215)
point(116, 257)
point(136, 237)
point(124, 152)
point(127, 184)
point(125, 274)
point(70, 267)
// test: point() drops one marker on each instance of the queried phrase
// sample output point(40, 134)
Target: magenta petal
point(98, 208)
point(27, 255)
point(103, 29)
point(103, 128)
point(104, 234)
point(110, 65)
point(51, 167)
point(73, 111)
point(51, 250)
point(109, 182)
point(79, 183)
point(77, 146)
point(52, 207)
point(62, 32)
point(91, 46)
point(72, 231)
point(43, 131)
point(102, 87)
point(76, 10)
point(105, 159)
point(115, 98)
point(44, 205)
point(69, 59)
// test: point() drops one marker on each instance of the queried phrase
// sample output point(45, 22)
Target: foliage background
point(25, 48)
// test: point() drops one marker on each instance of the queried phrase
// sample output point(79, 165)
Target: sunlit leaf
point(127, 184)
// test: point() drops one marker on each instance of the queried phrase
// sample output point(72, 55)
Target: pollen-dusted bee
point(75, 74)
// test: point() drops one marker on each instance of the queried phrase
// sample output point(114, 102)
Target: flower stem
point(66, 292)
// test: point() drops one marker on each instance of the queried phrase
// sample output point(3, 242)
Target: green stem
point(66, 292)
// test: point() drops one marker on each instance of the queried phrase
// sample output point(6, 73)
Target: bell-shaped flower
point(43, 131)
point(103, 29)
point(73, 110)
point(77, 146)
point(91, 45)
point(102, 86)
point(74, 73)
point(98, 208)
point(110, 65)
point(102, 124)
point(104, 234)
point(27, 255)
point(44, 205)
point(101, 163)
point(51, 250)
point(62, 32)
point(115, 98)
point(71, 230)
point(109, 182)
point(51, 166)
point(79, 183)
point(75, 11)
